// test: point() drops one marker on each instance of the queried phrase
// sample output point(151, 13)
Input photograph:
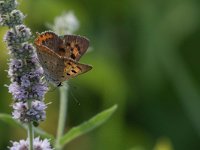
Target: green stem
point(30, 130)
point(30, 135)
point(62, 115)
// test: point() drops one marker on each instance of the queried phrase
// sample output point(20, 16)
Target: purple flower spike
point(36, 113)
point(27, 85)
point(40, 90)
point(37, 145)
point(25, 82)
point(18, 92)
point(24, 71)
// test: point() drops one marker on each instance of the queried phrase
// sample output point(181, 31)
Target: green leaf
point(87, 126)
point(9, 120)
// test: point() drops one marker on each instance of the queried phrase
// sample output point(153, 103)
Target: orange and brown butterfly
point(59, 56)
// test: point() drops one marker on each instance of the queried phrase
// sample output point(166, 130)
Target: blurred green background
point(145, 58)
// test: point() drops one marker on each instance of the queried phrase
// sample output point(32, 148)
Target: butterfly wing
point(70, 46)
point(49, 39)
point(73, 68)
point(75, 46)
point(59, 57)
point(52, 64)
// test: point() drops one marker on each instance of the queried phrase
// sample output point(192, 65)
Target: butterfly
point(59, 56)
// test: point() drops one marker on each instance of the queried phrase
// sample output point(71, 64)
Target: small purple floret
point(37, 145)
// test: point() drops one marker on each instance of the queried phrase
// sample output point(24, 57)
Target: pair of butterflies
point(59, 56)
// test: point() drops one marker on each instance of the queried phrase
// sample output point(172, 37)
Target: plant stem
point(30, 130)
point(62, 115)
point(30, 135)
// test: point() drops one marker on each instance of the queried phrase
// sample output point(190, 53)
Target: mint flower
point(7, 6)
point(27, 86)
point(12, 19)
point(16, 37)
point(37, 145)
point(67, 23)
point(35, 114)
point(24, 70)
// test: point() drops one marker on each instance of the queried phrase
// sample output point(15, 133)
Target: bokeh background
point(145, 57)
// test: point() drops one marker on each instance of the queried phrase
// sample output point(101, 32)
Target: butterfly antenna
point(52, 89)
point(75, 99)
point(44, 81)
point(72, 85)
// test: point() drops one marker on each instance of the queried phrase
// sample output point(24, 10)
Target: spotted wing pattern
point(75, 46)
point(49, 39)
point(59, 57)
point(52, 64)
point(73, 69)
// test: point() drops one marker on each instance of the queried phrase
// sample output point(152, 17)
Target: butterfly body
point(59, 56)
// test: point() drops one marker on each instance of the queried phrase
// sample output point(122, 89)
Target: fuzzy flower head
point(23, 35)
point(65, 24)
point(14, 18)
point(24, 114)
point(37, 145)
point(27, 86)
point(26, 51)
point(7, 6)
